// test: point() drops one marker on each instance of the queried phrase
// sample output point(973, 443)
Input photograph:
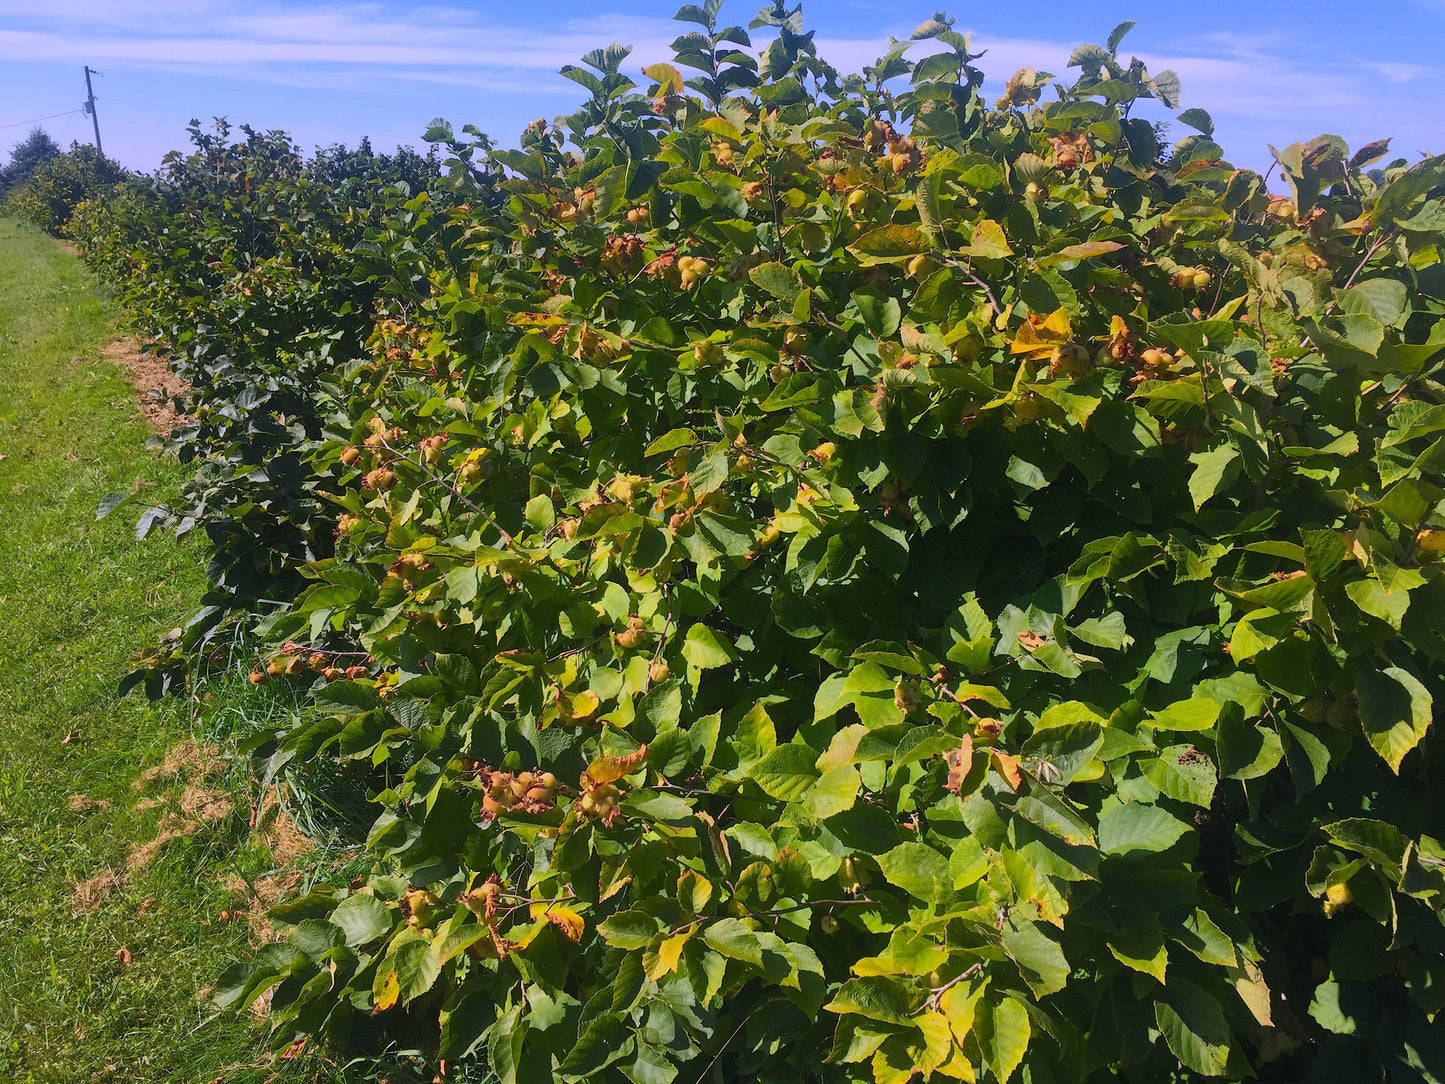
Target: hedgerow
point(47, 195)
point(240, 262)
point(835, 581)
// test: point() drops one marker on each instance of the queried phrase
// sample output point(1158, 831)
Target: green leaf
point(1197, 119)
point(1041, 961)
point(1324, 553)
point(779, 280)
point(875, 997)
point(1372, 598)
point(415, 967)
point(1166, 86)
point(834, 792)
point(1395, 711)
point(787, 772)
point(347, 698)
point(540, 513)
point(504, 1045)
point(1381, 843)
point(1127, 827)
point(670, 441)
point(1331, 1014)
point(1107, 631)
point(604, 1040)
point(1214, 470)
point(1066, 749)
point(1247, 751)
point(1118, 33)
point(1277, 594)
point(1386, 299)
point(1196, 713)
point(889, 244)
point(734, 940)
point(1004, 1030)
point(1259, 630)
point(629, 929)
point(881, 313)
point(919, 870)
point(649, 1066)
point(363, 919)
point(1193, 1024)
point(1139, 944)
point(707, 649)
point(110, 502)
point(1184, 773)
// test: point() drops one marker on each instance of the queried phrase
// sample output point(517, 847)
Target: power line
point(37, 120)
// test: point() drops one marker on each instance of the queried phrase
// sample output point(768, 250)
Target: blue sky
point(326, 72)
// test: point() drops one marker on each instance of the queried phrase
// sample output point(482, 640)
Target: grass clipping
point(194, 809)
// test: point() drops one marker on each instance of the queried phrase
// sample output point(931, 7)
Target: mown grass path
point(104, 991)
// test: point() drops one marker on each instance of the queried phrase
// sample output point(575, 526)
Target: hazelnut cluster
point(297, 658)
point(525, 792)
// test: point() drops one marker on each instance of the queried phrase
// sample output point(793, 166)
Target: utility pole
point(90, 108)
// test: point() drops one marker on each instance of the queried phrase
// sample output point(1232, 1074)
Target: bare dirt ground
point(147, 373)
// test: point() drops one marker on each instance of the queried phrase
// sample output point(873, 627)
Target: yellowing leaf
point(1080, 252)
point(668, 954)
point(536, 319)
point(960, 1006)
point(957, 1067)
point(959, 762)
point(1009, 1041)
point(1254, 992)
point(610, 769)
point(387, 991)
point(668, 78)
point(937, 1041)
point(1038, 340)
point(564, 918)
point(1008, 767)
point(988, 242)
point(721, 126)
point(582, 706)
point(889, 244)
point(893, 1063)
point(693, 890)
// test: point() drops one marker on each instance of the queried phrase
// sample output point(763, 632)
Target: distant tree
point(30, 152)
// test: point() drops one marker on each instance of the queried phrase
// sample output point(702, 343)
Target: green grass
point(76, 597)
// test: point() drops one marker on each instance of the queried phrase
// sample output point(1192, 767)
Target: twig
point(938, 991)
point(506, 537)
point(858, 902)
point(1356, 272)
point(708, 1067)
point(968, 274)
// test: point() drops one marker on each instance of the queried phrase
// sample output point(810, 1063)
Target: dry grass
point(148, 372)
point(170, 828)
point(195, 760)
point(286, 841)
point(91, 893)
point(206, 806)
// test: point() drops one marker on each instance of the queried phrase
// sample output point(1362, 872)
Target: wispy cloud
point(1258, 87)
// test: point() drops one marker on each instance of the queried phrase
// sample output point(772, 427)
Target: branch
point(968, 274)
point(506, 537)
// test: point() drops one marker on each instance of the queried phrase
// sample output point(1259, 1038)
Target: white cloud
point(1259, 88)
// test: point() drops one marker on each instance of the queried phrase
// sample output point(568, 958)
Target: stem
point(506, 538)
point(936, 995)
point(1356, 272)
point(968, 274)
point(859, 902)
point(708, 1067)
